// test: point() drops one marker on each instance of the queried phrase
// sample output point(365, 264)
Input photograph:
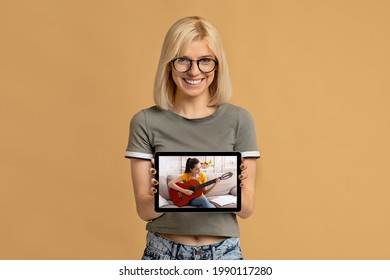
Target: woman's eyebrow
point(200, 57)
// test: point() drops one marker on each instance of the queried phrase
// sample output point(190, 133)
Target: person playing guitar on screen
point(194, 198)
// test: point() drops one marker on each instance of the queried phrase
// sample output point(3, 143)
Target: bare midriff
point(193, 240)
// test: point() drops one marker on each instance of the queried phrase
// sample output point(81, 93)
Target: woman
point(192, 172)
point(191, 91)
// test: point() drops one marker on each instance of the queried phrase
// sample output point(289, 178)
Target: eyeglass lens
point(205, 65)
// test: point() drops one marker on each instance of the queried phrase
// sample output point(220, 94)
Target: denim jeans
point(160, 248)
point(201, 202)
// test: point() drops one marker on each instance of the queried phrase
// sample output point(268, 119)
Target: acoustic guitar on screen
point(180, 199)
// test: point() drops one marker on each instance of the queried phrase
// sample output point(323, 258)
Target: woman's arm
point(143, 190)
point(208, 188)
point(248, 189)
point(172, 184)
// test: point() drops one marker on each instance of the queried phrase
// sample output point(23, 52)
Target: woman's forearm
point(248, 190)
point(142, 186)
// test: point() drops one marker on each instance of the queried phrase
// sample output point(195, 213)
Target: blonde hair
point(178, 38)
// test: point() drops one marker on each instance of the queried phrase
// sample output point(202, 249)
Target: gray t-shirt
point(230, 128)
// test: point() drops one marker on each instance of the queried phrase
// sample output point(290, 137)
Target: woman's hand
point(248, 181)
point(153, 180)
point(243, 174)
point(187, 192)
point(144, 186)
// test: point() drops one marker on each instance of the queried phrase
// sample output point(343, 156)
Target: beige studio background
point(314, 75)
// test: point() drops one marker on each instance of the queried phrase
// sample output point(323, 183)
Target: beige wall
point(314, 75)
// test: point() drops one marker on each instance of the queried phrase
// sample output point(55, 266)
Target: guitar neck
point(201, 186)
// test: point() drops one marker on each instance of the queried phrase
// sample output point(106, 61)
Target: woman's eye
point(182, 60)
point(205, 60)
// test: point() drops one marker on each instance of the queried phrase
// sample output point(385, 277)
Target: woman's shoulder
point(185, 177)
point(235, 110)
point(147, 113)
point(150, 110)
point(229, 107)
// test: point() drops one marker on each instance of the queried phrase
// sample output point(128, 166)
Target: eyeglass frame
point(197, 63)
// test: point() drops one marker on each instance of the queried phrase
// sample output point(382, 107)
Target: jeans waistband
point(164, 246)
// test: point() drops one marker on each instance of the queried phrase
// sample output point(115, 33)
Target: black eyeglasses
point(205, 65)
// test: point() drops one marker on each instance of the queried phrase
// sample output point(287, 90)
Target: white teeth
point(193, 82)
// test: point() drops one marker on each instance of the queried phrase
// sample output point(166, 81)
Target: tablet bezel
point(159, 209)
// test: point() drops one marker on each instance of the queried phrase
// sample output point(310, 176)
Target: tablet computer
point(209, 184)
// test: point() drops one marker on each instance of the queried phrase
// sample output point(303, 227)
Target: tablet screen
point(198, 182)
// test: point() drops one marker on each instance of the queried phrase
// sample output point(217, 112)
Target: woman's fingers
point(189, 192)
point(153, 181)
point(243, 174)
point(243, 166)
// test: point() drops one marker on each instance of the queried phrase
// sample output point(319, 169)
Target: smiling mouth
point(193, 82)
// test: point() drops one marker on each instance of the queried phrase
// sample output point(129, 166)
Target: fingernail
point(153, 171)
point(155, 182)
point(241, 185)
point(154, 190)
point(240, 176)
point(242, 166)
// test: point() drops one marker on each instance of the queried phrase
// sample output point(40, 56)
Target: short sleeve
point(184, 177)
point(246, 141)
point(138, 144)
point(202, 178)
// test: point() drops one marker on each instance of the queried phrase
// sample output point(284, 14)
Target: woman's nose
point(194, 70)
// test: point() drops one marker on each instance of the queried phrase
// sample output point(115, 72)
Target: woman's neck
point(196, 176)
point(193, 108)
